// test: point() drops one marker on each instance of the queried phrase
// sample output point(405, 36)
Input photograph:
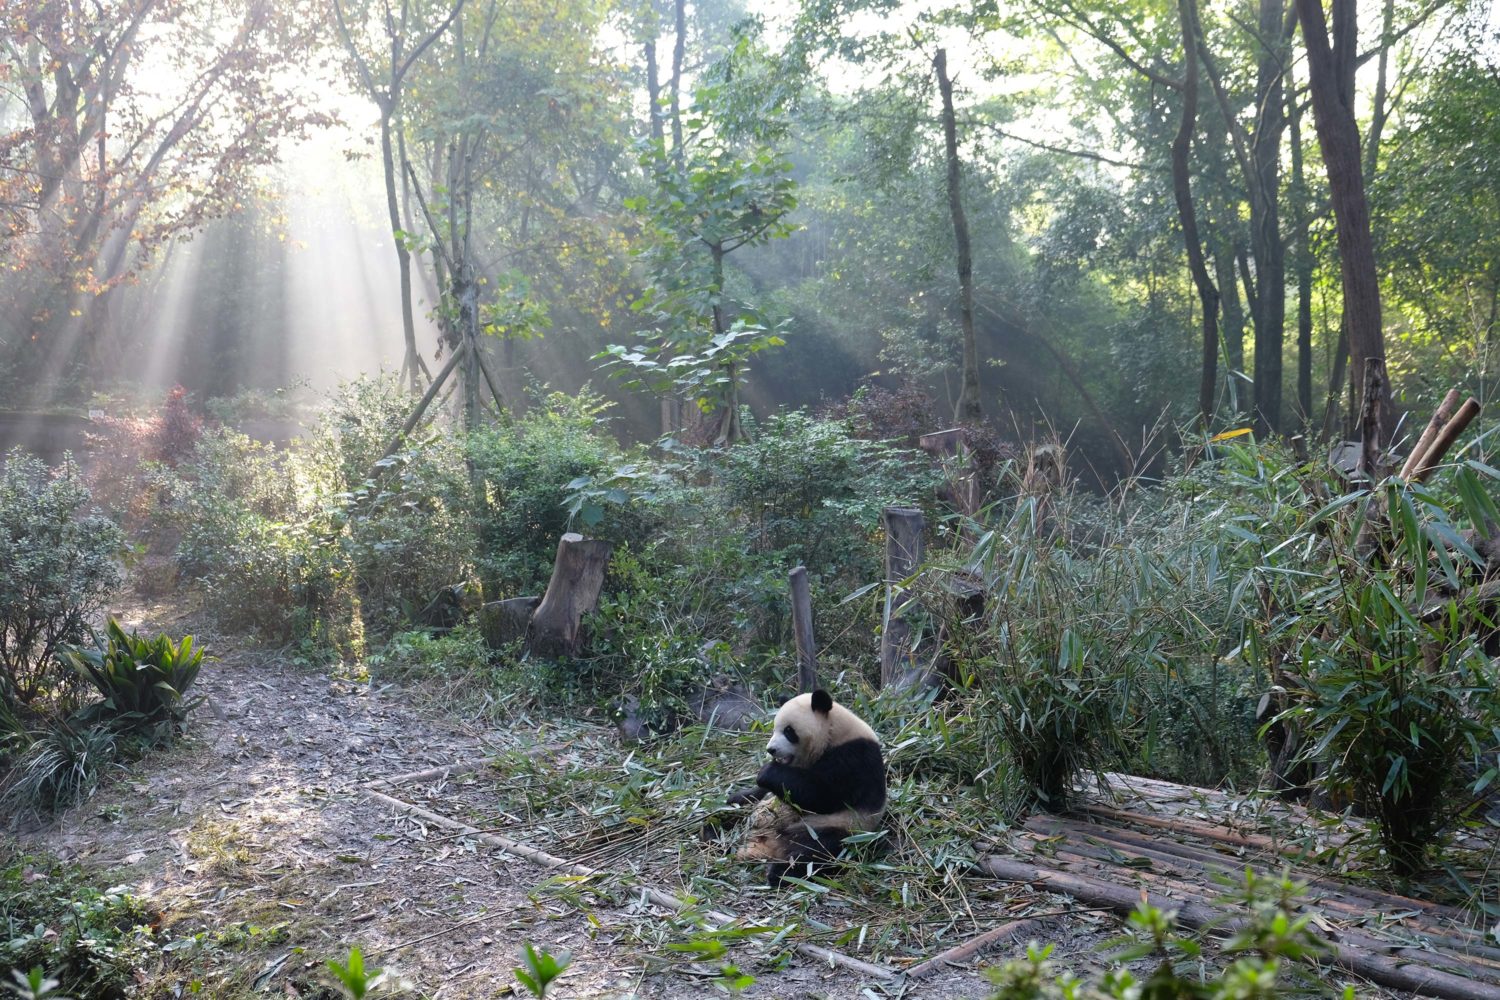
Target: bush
point(524, 472)
point(143, 682)
point(59, 568)
point(812, 490)
point(91, 940)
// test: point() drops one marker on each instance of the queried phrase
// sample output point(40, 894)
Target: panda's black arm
point(748, 794)
point(851, 776)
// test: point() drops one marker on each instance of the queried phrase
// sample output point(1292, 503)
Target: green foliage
point(59, 765)
point(1267, 940)
point(143, 682)
point(1397, 695)
point(33, 985)
point(809, 488)
point(356, 982)
point(527, 473)
point(90, 941)
point(540, 968)
point(59, 568)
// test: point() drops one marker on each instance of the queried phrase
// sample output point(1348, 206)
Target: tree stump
point(573, 591)
point(904, 550)
point(504, 622)
point(802, 627)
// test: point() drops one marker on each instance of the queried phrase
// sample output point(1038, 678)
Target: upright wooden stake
point(802, 626)
point(904, 550)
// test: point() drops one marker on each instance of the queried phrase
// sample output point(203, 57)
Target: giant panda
point(825, 780)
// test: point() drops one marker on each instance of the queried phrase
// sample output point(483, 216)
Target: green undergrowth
point(655, 815)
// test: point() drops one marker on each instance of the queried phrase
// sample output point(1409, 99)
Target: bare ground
point(253, 840)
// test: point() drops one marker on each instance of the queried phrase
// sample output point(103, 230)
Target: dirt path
point(254, 835)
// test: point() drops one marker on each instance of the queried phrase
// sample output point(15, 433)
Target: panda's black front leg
point(796, 785)
point(747, 795)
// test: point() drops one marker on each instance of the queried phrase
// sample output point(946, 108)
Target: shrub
point(812, 490)
point(91, 940)
point(524, 472)
point(143, 682)
point(59, 568)
point(1394, 691)
point(59, 765)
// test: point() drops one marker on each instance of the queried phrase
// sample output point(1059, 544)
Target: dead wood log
point(968, 949)
point(904, 550)
point(1445, 439)
point(1381, 969)
point(577, 577)
point(1440, 416)
point(802, 628)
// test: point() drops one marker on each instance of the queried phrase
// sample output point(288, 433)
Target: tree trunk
point(1265, 218)
point(730, 429)
point(653, 82)
point(410, 362)
point(904, 550)
point(1182, 146)
point(1302, 264)
point(969, 410)
point(802, 628)
point(679, 48)
point(1330, 73)
point(573, 591)
point(1229, 303)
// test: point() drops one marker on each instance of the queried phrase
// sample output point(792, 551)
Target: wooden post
point(802, 626)
point(904, 551)
point(573, 591)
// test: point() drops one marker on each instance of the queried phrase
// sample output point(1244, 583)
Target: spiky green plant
point(143, 681)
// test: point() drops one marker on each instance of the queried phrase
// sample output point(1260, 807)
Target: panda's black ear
point(822, 701)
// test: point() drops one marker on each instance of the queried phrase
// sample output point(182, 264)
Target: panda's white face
point(801, 734)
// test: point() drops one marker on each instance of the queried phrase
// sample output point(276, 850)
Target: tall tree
point(137, 122)
point(970, 409)
point(1330, 68)
point(1182, 147)
point(405, 42)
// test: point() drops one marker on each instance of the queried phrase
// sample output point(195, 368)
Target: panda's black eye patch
point(790, 734)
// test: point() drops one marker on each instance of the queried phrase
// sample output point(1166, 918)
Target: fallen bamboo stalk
point(1183, 826)
point(1357, 896)
point(1440, 416)
point(1379, 969)
point(1437, 924)
point(968, 949)
point(442, 771)
point(1445, 439)
point(540, 857)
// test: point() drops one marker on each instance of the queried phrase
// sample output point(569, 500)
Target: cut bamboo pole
point(1440, 416)
point(968, 949)
point(536, 855)
point(1445, 439)
point(432, 773)
point(1377, 968)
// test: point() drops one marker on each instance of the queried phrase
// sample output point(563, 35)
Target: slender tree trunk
point(1265, 218)
point(411, 363)
point(679, 50)
point(730, 429)
point(1230, 305)
point(1331, 83)
point(1182, 147)
point(653, 79)
point(970, 409)
point(1302, 264)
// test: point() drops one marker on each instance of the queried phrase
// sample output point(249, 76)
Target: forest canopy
point(1095, 217)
